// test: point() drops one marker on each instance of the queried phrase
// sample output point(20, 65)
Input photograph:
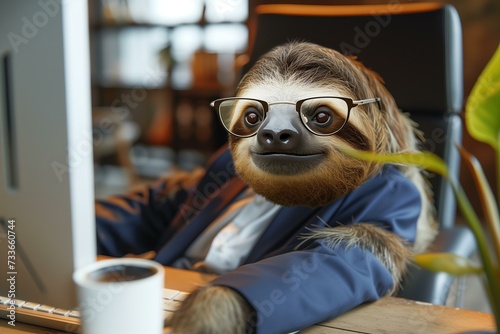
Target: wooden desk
point(388, 315)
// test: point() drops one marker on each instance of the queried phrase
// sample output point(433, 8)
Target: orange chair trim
point(347, 10)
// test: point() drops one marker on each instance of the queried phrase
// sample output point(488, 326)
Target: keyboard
point(69, 320)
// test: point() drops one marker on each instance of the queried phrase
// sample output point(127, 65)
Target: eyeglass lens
point(322, 116)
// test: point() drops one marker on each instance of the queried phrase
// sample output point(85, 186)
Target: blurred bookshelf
point(156, 65)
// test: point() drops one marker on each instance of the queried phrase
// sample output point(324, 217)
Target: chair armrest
point(423, 285)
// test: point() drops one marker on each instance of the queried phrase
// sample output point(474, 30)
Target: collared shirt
point(225, 243)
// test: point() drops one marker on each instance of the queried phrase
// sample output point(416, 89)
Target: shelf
point(124, 86)
point(131, 24)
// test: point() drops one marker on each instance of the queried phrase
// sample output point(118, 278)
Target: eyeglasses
point(323, 116)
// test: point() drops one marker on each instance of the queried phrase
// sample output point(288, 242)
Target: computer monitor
point(46, 162)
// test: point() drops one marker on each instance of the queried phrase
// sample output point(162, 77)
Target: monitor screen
point(46, 164)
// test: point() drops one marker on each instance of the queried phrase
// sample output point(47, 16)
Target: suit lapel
point(188, 228)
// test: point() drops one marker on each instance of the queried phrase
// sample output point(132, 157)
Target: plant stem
point(487, 198)
point(497, 153)
point(497, 271)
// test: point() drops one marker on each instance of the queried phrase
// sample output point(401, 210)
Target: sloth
point(337, 231)
point(293, 112)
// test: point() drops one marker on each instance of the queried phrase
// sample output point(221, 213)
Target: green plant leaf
point(425, 160)
point(447, 262)
point(482, 116)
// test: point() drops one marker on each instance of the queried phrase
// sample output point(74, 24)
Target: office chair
point(417, 49)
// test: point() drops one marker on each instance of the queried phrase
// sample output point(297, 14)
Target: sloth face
point(289, 160)
point(285, 139)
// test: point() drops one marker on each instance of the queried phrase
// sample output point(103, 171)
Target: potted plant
point(482, 118)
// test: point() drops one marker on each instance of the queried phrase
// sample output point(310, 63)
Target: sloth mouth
point(287, 163)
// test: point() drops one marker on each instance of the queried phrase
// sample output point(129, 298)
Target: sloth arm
point(136, 222)
point(133, 223)
point(290, 292)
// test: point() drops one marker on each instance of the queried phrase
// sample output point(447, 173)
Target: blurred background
point(156, 65)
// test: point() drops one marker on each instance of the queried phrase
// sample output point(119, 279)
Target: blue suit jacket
point(290, 283)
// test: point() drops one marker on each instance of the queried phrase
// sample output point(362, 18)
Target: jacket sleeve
point(313, 280)
point(295, 290)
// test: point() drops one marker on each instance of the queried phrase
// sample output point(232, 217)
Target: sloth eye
point(252, 117)
point(322, 116)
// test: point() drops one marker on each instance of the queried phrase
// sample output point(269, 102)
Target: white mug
point(120, 296)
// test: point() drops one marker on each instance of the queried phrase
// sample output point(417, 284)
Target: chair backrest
point(416, 48)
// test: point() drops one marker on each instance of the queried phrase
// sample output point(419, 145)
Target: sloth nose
point(285, 139)
point(281, 133)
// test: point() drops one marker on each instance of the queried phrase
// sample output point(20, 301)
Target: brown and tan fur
point(303, 68)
